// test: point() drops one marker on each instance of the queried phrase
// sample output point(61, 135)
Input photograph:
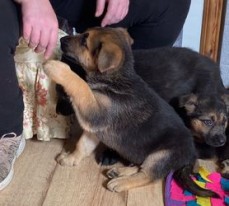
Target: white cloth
point(39, 95)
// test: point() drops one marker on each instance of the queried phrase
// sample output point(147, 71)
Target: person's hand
point(116, 11)
point(40, 25)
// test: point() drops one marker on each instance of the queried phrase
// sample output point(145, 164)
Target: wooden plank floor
point(40, 181)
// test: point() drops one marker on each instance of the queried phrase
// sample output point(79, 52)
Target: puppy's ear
point(225, 98)
point(126, 35)
point(110, 57)
point(189, 102)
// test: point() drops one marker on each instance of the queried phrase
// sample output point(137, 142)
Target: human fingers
point(110, 14)
point(116, 11)
point(34, 37)
point(120, 13)
point(27, 29)
point(43, 42)
point(100, 5)
point(124, 11)
point(51, 44)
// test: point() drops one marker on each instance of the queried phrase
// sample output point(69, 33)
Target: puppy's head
point(98, 49)
point(207, 117)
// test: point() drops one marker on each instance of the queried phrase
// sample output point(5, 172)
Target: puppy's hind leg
point(152, 169)
point(84, 147)
point(122, 171)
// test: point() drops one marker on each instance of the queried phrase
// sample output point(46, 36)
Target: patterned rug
point(176, 196)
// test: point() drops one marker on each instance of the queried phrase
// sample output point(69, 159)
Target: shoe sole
point(9, 177)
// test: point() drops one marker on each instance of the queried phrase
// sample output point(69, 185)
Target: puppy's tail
point(183, 178)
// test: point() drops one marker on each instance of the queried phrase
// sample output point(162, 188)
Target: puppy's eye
point(208, 122)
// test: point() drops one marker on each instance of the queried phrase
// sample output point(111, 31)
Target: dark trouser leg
point(156, 23)
point(11, 102)
point(151, 23)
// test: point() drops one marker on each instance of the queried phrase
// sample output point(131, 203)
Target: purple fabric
point(168, 200)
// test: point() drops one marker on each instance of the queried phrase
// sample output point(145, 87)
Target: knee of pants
point(155, 26)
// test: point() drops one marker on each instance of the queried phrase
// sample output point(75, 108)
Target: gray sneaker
point(11, 146)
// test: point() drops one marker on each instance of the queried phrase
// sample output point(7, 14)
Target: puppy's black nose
point(222, 140)
point(219, 140)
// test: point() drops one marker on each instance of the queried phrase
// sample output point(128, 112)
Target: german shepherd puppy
point(187, 79)
point(115, 106)
point(192, 84)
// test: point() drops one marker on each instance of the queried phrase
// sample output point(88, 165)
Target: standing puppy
point(115, 106)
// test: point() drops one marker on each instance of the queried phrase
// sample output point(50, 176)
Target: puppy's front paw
point(119, 184)
point(225, 168)
point(65, 159)
point(56, 70)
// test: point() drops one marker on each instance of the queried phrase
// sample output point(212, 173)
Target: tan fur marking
point(188, 101)
point(217, 117)
point(198, 128)
point(152, 160)
point(87, 60)
point(222, 119)
point(128, 182)
point(103, 100)
point(226, 125)
point(225, 169)
point(122, 171)
point(83, 99)
point(110, 57)
point(84, 147)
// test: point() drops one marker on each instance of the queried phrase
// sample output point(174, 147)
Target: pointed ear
point(189, 102)
point(110, 57)
point(225, 98)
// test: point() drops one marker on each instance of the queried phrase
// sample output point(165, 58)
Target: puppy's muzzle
point(216, 140)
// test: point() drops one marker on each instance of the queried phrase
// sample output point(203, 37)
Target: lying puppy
point(118, 108)
point(185, 78)
point(192, 84)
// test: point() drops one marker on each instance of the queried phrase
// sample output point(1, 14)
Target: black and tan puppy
point(115, 106)
point(192, 84)
point(185, 78)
